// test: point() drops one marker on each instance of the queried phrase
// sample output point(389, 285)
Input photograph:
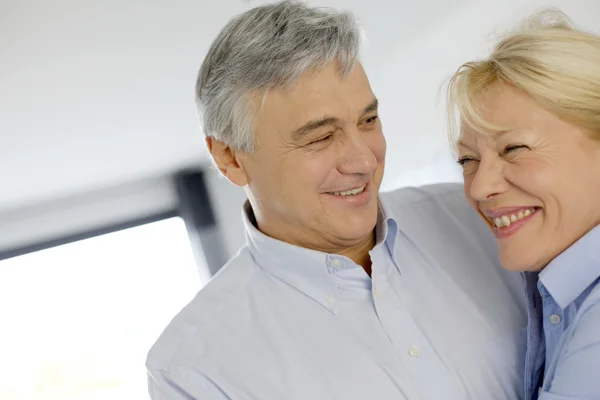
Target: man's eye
point(321, 140)
point(370, 120)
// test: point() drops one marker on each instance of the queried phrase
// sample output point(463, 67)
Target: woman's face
point(537, 185)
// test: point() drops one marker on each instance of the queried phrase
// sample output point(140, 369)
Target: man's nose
point(489, 180)
point(357, 157)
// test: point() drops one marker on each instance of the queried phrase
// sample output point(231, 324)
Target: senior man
point(340, 292)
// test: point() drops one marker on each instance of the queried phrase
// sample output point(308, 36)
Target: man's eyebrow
point(305, 129)
point(371, 107)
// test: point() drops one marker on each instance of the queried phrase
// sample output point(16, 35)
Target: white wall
point(99, 94)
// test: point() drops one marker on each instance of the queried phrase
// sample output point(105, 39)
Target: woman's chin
point(519, 262)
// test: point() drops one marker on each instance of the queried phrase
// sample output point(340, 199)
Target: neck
point(357, 252)
point(360, 253)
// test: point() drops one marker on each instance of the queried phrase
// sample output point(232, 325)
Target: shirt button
point(377, 292)
point(330, 299)
point(335, 263)
point(414, 351)
point(555, 319)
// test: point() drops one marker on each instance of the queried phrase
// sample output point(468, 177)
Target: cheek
point(539, 179)
point(312, 169)
point(376, 142)
point(260, 168)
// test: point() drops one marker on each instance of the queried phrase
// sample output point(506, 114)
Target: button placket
point(414, 351)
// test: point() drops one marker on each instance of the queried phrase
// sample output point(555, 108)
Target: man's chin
point(356, 229)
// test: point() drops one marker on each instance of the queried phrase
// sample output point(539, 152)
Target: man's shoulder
point(412, 194)
point(431, 203)
point(197, 325)
point(439, 215)
point(438, 221)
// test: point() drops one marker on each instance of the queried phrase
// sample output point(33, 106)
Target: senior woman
point(529, 145)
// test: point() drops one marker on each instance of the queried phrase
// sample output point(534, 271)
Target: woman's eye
point(512, 148)
point(463, 161)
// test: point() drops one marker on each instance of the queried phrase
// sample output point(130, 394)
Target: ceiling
point(98, 94)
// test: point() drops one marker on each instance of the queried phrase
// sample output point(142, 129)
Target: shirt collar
point(305, 269)
point(574, 270)
point(387, 231)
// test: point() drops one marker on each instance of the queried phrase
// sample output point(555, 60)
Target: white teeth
point(506, 220)
point(352, 192)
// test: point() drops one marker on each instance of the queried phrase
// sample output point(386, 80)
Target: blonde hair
point(556, 64)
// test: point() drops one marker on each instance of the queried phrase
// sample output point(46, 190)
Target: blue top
point(564, 325)
point(438, 319)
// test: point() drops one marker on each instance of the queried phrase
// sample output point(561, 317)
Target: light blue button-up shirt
point(564, 313)
point(438, 319)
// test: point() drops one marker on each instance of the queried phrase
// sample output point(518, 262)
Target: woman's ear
point(227, 161)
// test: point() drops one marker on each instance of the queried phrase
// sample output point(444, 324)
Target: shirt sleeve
point(182, 385)
point(577, 375)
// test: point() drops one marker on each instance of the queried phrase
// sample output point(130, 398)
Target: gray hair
point(265, 48)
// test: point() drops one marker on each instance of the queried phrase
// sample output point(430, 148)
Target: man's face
point(315, 176)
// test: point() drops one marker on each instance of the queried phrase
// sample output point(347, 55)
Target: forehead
point(315, 95)
point(502, 103)
point(505, 107)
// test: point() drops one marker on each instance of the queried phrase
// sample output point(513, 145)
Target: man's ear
point(227, 161)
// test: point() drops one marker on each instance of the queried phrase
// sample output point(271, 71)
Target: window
point(79, 319)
